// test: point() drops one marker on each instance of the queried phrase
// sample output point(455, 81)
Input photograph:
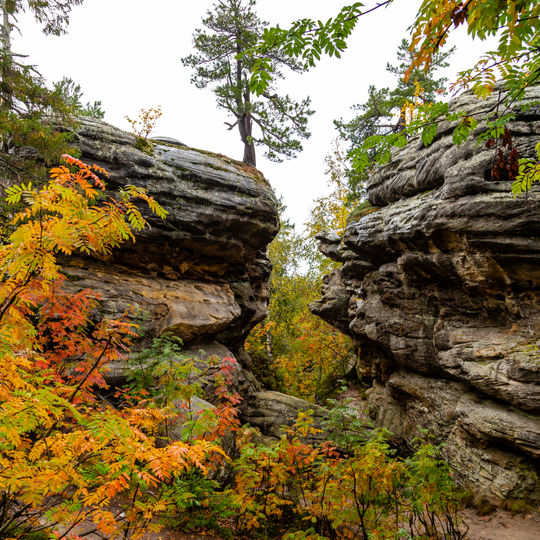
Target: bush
point(367, 492)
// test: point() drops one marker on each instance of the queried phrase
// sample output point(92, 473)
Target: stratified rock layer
point(440, 289)
point(202, 272)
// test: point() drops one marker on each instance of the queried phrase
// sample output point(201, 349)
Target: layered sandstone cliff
point(440, 290)
point(200, 274)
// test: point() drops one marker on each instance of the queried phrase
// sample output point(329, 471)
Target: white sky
point(127, 53)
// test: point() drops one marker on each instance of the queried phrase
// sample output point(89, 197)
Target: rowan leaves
point(62, 452)
point(512, 67)
point(519, 22)
point(528, 173)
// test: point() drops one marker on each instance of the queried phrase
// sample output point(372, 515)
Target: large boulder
point(440, 289)
point(272, 412)
point(201, 273)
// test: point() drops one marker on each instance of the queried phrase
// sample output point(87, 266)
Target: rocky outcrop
point(202, 272)
point(440, 290)
point(271, 411)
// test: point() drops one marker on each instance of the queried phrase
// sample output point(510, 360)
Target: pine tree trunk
point(245, 127)
point(6, 58)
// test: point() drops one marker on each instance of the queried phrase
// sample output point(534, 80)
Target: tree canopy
point(53, 15)
point(515, 61)
point(384, 111)
point(271, 120)
point(515, 24)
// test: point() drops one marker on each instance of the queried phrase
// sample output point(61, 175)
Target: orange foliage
point(66, 457)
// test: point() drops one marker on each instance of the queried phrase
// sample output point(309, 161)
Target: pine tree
point(24, 96)
point(232, 28)
point(382, 112)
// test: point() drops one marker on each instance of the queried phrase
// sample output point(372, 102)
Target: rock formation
point(270, 410)
point(200, 274)
point(440, 290)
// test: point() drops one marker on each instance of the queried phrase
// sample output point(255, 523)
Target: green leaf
point(428, 133)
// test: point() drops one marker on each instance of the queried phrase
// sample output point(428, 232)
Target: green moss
point(247, 170)
point(144, 145)
point(216, 167)
point(179, 168)
point(517, 506)
point(361, 210)
point(171, 144)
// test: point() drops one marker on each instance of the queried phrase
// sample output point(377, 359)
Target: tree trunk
point(6, 54)
point(245, 124)
point(6, 59)
point(245, 127)
point(6, 29)
point(249, 154)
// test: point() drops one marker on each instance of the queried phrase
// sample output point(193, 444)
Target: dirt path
point(503, 526)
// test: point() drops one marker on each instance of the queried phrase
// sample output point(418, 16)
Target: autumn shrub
point(316, 357)
point(143, 125)
point(273, 481)
point(346, 425)
point(164, 375)
point(300, 355)
point(259, 347)
point(433, 500)
point(293, 489)
point(199, 503)
point(66, 457)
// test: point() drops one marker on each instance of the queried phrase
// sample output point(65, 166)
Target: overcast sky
point(127, 53)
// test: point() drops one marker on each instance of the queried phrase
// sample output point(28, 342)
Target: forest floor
point(499, 525)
